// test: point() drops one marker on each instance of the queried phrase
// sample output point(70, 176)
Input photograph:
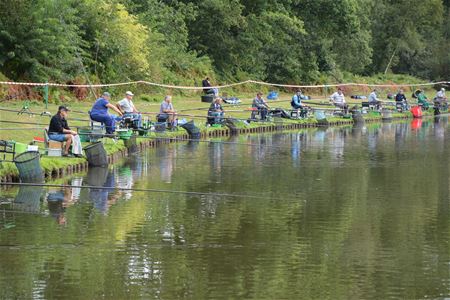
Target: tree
point(38, 45)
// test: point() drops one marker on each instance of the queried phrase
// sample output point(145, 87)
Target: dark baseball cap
point(63, 107)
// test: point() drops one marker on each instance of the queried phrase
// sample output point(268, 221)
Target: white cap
point(443, 89)
point(128, 93)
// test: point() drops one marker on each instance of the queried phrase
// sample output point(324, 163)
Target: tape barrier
point(50, 84)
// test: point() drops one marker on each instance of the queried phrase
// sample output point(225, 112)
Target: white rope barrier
point(51, 84)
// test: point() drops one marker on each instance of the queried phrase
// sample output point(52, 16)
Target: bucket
point(319, 115)
point(96, 154)
point(357, 117)
point(386, 114)
point(84, 134)
point(20, 148)
point(29, 167)
point(416, 111)
point(160, 126)
point(124, 134)
point(207, 98)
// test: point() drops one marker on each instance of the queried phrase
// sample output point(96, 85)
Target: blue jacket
point(297, 100)
point(400, 97)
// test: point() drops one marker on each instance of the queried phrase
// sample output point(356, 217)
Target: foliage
point(182, 41)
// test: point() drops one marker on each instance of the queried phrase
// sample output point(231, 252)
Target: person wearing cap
point(261, 105)
point(60, 131)
point(422, 99)
point(99, 112)
point(128, 109)
point(296, 103)
point(338, 100)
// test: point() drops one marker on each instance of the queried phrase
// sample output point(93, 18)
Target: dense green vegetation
point(180, 41)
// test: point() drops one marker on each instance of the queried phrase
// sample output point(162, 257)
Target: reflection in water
point(28, 199)
point(349, 213)
point(55, 204)
point(416, 123)
point(100, 176)
point(167, 162)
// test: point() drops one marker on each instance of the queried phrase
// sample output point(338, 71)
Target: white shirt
point(126, 105)
point(373, 97)
point(440, 94)
point(338, 98)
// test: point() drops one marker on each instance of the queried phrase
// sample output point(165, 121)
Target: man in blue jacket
point(99, 113)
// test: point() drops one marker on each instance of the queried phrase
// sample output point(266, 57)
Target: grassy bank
point(189, 108)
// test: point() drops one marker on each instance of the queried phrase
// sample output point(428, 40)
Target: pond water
point(353, 212)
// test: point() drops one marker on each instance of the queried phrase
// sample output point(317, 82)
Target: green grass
point(189, 107)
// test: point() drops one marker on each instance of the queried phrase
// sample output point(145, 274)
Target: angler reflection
point(101, 177)
point(216, 160)
point(337, 145)
point(401, 131)
point(440, 124)
point(57, 202)
point(372, 139)
point(358, 130)
point(264, 142)
point(166, 163)
point(297, 141)
point(28, 199)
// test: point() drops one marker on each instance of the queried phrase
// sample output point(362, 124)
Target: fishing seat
point(299, 113)
point(53, 148)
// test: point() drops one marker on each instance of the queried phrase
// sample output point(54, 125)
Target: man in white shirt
point(373, 99)
point(167, 112)
point(440, 96)
point(338, 100)
point(128, 109)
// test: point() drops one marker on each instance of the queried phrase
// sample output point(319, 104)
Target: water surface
point(354, 212)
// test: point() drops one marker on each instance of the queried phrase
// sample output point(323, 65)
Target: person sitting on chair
point(338, 99)
point(400, 100)
point(422, 99)
point(261, 105)
point(207, 87)
point(99, 112)
point(373, 99)
point(128, 109)
point(215, 112)
point(296, 102)
point(60, 131)
point(166, 112)
point(440, 98)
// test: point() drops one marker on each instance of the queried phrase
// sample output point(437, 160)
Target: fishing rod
point(140, 190)
point(27, 128)
point(31, 113)
point(188, 140)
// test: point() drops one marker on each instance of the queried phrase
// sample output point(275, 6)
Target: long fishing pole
point(188, 140)
point(140, 190)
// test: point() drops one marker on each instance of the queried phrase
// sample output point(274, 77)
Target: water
point(342, 213)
